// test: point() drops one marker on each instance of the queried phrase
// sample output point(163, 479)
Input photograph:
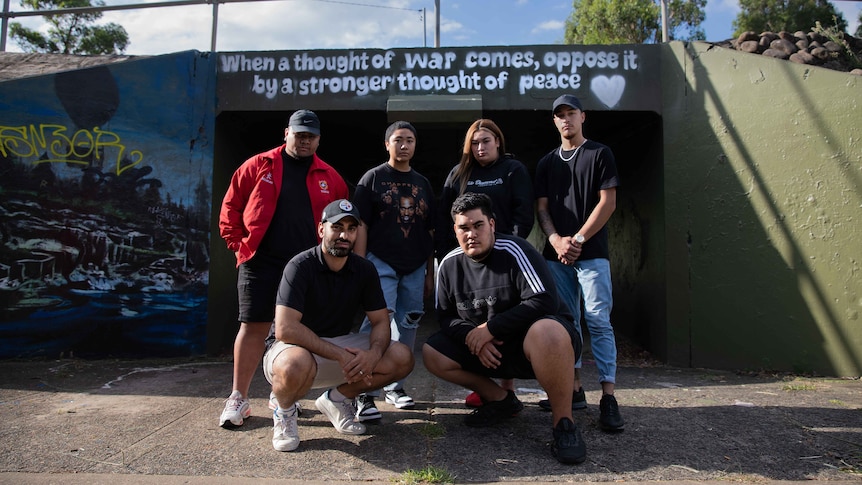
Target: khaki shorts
point(329, 372)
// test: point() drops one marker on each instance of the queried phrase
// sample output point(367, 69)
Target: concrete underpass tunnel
point(352, 142)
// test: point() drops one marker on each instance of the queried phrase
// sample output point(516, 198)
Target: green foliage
point(632, 21)
point(429, 474)
point(832, 33)
point(70, 33)
point(859, 27)
point(786, 15)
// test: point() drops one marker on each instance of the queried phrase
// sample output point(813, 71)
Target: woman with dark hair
point(486, 168)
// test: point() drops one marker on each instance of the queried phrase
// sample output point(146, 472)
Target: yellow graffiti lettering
point(136, 157)
point(52, 144)
point(13, 141)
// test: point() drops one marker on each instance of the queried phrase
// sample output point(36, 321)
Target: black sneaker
point(568, 446)
point(609, 416)
point(366, 410)
point(579, 401)
point(494, 412)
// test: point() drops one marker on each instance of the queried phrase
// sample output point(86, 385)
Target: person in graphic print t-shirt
point(269, 214)
point(397, 206)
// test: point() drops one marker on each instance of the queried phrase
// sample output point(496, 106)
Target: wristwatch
point(579, 238)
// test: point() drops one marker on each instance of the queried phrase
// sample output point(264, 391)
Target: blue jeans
point(404, 296)
point(590, 280)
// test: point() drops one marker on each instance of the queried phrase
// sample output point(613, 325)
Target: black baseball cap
point(304, 120)
point(339, 209)
point(567, 100)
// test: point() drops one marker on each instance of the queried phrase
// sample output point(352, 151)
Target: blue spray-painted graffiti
point(104, 247)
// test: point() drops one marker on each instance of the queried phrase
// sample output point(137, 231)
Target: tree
point(632, 21)
point(70, 33)
point(786, 15)
point(859, 26)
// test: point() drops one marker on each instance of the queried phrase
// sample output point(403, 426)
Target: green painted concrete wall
point(762, 205)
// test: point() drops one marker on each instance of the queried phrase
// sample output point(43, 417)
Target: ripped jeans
point(404, 296)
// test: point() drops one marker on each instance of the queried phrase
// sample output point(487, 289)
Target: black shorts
point(257, 285)
point(513, 364)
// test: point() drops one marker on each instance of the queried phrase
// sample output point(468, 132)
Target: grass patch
point(429, 474)
point(432, 430)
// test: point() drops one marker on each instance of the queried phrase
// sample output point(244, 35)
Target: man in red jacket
point(269, 214)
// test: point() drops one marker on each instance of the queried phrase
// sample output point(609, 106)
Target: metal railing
point(7, 14)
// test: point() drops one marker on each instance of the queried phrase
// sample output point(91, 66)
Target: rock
point(812, 48)
point(768, 37)
point(803, 57)
point(787, 36)
point(776, 53)
point(783, 45)
point(856, 71)
point(747, 36)
point(817, 37)
point(821, 53)
point(750, 46)
point(832, 46)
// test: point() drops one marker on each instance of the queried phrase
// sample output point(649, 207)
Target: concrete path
point(123, 422)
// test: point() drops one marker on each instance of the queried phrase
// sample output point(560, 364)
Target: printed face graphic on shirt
point(407, 210)
point(406, 213)
point(403, 203)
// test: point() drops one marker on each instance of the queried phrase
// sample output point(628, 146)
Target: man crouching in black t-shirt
point(320, 291)
point(500, 316)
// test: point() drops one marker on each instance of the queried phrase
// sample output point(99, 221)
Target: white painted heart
point(608, 90)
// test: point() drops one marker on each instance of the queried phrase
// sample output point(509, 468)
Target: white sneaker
point(273, 404)
point(340, 414)
point(399, 399)
point(236, 409)
point(285, 435)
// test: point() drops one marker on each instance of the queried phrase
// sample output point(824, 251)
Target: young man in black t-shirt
point(500, 317)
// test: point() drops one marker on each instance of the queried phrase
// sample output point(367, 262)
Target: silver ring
point(361, 373)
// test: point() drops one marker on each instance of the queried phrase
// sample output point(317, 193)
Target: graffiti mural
point(105, 200)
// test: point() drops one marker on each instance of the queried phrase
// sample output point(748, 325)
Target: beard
point(338, 252)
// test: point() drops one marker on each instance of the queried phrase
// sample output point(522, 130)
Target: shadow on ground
point(160, 417)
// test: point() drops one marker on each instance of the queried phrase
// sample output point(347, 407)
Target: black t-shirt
point(293, 228)
point(572, 189)
point(328, 300)
point(398, 208)
point(507, 183)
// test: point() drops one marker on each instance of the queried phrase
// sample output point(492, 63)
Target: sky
point(264, 25)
